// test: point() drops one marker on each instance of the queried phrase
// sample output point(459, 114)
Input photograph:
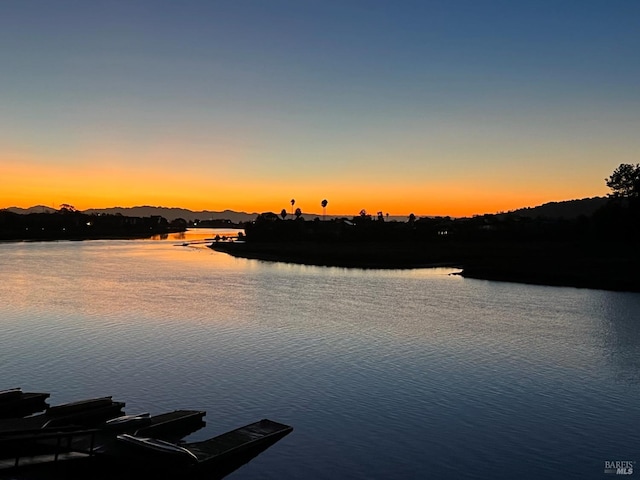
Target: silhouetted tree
point(66, 208)
point(266, 217)
point(179, 223)
point(412, 218)
point(622, 216)
point(625, 181)
point(324, 207)
point(283, 213)
point(298, 213)
point(293, 202)
point(362, 218)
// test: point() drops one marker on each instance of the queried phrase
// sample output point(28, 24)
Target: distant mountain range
point(567, 209)
point(147, 211)
point(173, 213)
point(35, 209)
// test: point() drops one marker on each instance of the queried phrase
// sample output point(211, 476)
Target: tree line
point(617, 219)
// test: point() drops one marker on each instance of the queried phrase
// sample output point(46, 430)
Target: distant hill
point(35, 209)
point(173, 213)
point(147, 211)
point(568, 209)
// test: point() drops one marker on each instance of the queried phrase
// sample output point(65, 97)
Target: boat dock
point(84, 413)
point(15, 403)
point(217, 457)
point(94, 436)
point(256, 435)
point(173, 425)
point(36, 447)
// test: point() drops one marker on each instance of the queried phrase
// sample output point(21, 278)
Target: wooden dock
point(37, 447)
point(85, 413)
point(173, 425)
point(16, 403)
point(255, 436)
point(77, 438)
point(229, 450)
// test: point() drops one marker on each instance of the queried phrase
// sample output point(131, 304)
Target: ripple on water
point(384, 374)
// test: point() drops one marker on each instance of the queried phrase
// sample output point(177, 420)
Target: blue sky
point(489, 104)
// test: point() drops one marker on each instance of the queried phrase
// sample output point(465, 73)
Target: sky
point(452, 107)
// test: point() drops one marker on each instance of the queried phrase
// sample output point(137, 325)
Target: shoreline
point(556, 265)
point(97, 236)
point(349, 255)
point(80, 239)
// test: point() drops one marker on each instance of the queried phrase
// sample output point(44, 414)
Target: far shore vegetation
point(597, 249)
point(67, 223)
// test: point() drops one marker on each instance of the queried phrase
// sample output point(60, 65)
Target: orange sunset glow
point(231, 111)
point(108, 183)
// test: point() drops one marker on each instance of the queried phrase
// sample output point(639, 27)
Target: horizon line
point(303, 213)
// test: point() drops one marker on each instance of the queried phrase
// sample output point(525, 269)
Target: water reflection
point(620, 327)
point(486, 377)
point(198, 234)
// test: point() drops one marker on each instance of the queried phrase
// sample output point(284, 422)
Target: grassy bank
point(607, 267)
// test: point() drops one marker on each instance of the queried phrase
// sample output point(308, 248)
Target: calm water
point(383, 374)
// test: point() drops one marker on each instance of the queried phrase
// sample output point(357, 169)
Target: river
point(384, 374)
